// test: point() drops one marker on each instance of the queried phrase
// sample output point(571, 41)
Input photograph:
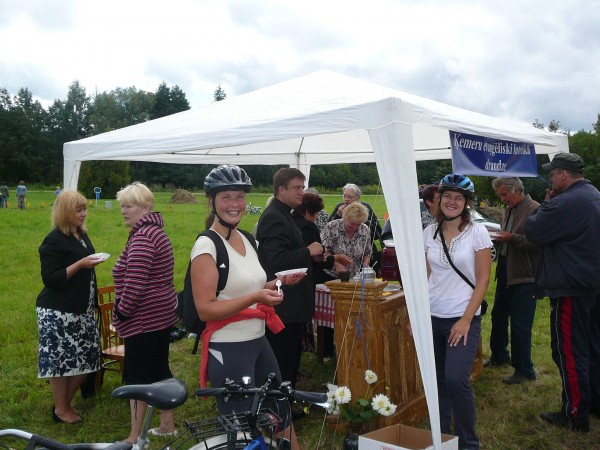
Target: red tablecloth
point(324, 314)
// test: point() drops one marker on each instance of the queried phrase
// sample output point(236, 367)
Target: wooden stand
point(383, 340)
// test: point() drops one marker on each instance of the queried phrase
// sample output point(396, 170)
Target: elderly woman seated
point(349, 236)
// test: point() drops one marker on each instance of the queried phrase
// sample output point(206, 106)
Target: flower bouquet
point(361, 410)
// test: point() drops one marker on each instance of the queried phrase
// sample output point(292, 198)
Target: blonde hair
point(356, 212)
point(137, 194)
point(63, 210)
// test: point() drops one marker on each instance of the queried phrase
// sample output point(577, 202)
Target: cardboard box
point(402, 437)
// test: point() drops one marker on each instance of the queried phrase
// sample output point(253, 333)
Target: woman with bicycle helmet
point(234, 343)
point(456, 244)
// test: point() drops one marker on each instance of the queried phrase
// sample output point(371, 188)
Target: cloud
point(539, 60)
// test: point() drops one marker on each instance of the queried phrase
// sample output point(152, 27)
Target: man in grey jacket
point(565, 226)
point(515, 276)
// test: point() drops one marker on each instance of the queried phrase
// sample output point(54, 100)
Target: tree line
point(32, 138)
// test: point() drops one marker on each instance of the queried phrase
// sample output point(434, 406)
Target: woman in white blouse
point(456, 244)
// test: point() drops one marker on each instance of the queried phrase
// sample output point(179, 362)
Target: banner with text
point(478, 155)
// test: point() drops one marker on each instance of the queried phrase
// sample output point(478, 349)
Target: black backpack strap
point(250, 238)
point(222, 258)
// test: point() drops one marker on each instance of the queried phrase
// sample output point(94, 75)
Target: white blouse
point(449, 294)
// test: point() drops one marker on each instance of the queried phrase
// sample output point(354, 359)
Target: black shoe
point(559, 419)
point(516, 378)
point(59, 420)
point(493, 363)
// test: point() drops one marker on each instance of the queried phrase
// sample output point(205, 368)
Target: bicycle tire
point(220, 443)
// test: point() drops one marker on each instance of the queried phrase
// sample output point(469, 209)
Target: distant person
point(4, 195)
point(282, 247)
point(145, 300)
point(21, 195)
point(565, 227)
point(351, 193)
point(455, 302)
point(322, 216)
point(57, 191)
point(515, 278)
point(69, 342)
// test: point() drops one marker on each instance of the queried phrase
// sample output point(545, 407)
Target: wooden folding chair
point(106, 294)
point(113, 350)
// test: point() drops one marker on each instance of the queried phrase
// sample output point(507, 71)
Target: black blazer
point(281, 247)
point(310, 233)
point(57, 252)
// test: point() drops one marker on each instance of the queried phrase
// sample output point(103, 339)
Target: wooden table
point(371, 331)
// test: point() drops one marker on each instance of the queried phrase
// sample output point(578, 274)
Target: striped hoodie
point(143, 277)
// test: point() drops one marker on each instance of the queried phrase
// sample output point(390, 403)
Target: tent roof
point(321, 118)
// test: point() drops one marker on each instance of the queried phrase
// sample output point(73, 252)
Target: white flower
point(334, 409)
point(388, 410)
point(380, 402)
point(370, 377)
point(342, 395)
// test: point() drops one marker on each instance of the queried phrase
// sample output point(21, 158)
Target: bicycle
point(250, 209)
point(231, 432)
point(252, 430)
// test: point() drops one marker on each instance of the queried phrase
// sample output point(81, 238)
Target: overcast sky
point(518, 59)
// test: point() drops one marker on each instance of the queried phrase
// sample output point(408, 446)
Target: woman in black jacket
point(69, 346)
point(305, 217)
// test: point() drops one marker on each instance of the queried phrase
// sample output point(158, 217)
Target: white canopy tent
point(324, 118)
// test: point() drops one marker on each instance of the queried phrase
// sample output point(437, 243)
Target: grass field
point(507, 415)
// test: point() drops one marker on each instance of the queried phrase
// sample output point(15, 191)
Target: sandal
point(157, 432)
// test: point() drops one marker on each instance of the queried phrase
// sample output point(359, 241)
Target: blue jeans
point(453, 371)
point(517, 303)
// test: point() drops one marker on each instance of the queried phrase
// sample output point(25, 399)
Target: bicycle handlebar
point(243, 390)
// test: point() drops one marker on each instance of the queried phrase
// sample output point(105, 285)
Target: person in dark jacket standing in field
point(69, 343)
point(565, 226)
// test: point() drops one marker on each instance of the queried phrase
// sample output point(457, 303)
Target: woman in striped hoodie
point(145, 300)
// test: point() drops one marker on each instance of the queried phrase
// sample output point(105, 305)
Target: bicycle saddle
point(166, 394)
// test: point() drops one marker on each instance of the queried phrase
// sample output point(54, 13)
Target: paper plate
point(102, 256)
point(391, 288)
point(290, 272)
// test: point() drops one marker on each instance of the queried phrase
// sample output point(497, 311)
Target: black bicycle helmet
point(455, 182)
point(227, 177)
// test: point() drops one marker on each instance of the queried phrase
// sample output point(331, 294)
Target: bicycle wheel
point(220, 443)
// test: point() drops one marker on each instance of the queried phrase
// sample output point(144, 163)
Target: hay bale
point(183, 196)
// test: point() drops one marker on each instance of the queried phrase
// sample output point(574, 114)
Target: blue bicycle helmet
point(227, 177)
point(455, 182)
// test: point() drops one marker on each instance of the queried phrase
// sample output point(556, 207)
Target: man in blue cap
point(565, 227)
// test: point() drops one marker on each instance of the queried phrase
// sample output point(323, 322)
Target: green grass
point(507, 415)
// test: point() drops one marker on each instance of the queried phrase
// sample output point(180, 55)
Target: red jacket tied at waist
point(262, 311)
